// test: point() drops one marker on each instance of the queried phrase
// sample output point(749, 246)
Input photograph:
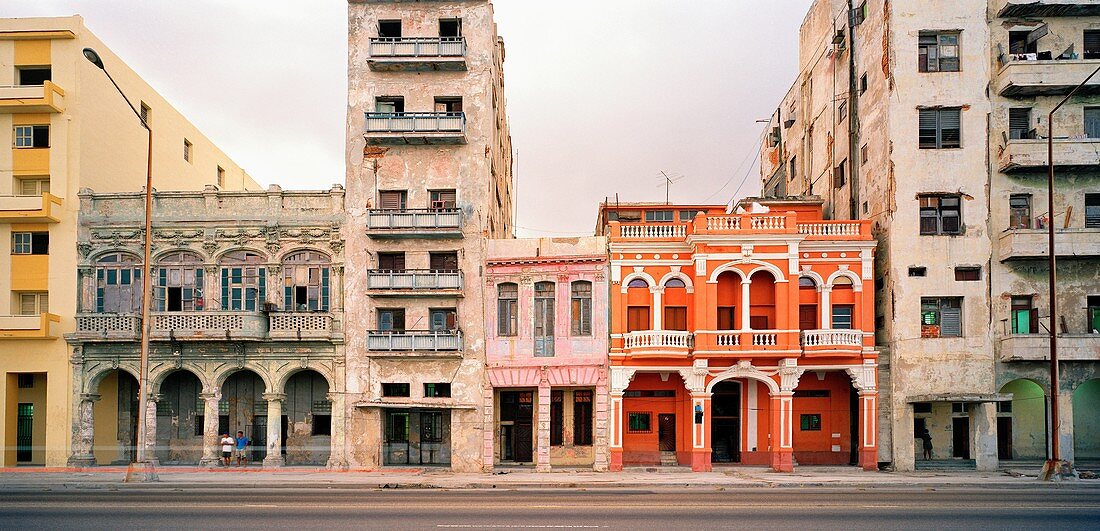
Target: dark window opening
point(863, 83)
point(389, 29)
point(443, 319)
point(639, 423)
point(395, 389)
point(32, 136)
point(1019, 123)
point(810, 422)
point(922, 407)
point(38, 75)
point(200, 425)
point(557, 418)
point(1019, 211)
point(918, 271)
point(437, 390)
point(450, 27)
point(26, 381)
point(1018, 42)
point(968, 274)
point(389, 105)
point(940, 214)
point(449, 105)
point(1092, 44)
point(175, 299)
point(582, 418)
point(839, 177)
point(1093, 313)
point(31, 243)
point(1092, 211)
point(391, 320)
point(322, 425)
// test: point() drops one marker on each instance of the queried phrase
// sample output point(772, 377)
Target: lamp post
point(1055, 467)
point(141, 469)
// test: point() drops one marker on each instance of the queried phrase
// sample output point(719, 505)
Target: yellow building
point(69, 129)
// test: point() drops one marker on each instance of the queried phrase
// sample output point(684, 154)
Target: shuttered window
point(1025, 317)
point(392, 200)
point(1019, 123)
point(842, 317)
point(676, 318)
point(1092, 44)
point(1092, 122)
point(941, 317)
point(938, 52)
point(940, 128)
point(581, 308)
point(1092, 211)
point(637, 318)
point(1019, 211)
point(544, 319)
point(34, 303)
point(443, 261)
point(391, 320)
point(391, 261)
point(507, 309)
point(444, 319)
point(442, 199)
point(940, 214)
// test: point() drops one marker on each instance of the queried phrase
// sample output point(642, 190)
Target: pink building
point(546, 353)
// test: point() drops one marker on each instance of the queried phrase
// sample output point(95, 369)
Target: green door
point(24, 433)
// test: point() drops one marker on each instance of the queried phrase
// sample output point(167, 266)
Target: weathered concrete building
point(246, 334)
point(429, 179)
point(932, 124)
point(67, 128)
point(546, 353)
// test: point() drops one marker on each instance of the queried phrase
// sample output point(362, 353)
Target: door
point(637, 318)
point(1092, 122)
point(431, 438)
point(1004, 437)
point(666, 432)
point(960, 437)
point(544, 319)
point(807, 317)
point(759, 322)
point(396, 448)
point(283, 432)
point(257, 434)
point(725, 407)
point(24, 433)
point(524, 436)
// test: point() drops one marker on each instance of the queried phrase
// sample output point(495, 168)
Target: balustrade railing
point(817, 338)
point(829, 228)
point(652, 230)
point(645, 339)
point(407, 219)
point(415, 122)
point(414, 280)
point(402, 47)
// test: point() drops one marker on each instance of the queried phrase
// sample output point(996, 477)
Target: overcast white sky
point(602, 94)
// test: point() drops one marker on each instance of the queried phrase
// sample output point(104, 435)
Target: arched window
point(674, 283)
point(179, 283)
point(638, 283)
point(806, 283)
point(117, 284)
point(244, 281)
point(581, 308)
point(544, 319)
point(507, 309)
point(306, 282)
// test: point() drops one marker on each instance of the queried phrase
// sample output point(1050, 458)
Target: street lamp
point(141, 469)
point(1055, 467)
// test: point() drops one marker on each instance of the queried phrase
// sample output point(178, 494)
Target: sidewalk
point(727, 477)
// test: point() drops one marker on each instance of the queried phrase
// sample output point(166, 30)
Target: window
point(959, 408)
point(322, 424)
point(1019, 123)
point(676, 318)
point(638, 423)
point(812, 393)
point(687, 216)
point(449, 105)
point(582, 418)
point(940, 214)
point(839, 179)
point(638, 283)
point(658, 216)
point(922, 407)
point(442, 199)
point(1092, 44)
point(450, 27)
point(188, 149)
point(443, 319)
point(557, 418)
point(863, 155)
point(437, 390)
point(842, 111)
point(389, 29)
point(810, 422)
point(146, 113)
point(581, 308)
point(35, 303)
point(34, 75)
point(243, 281)
point(792, 168)
point(179, 283)
point(306, 278)
point(1019, 211)
point(1092, 211)
point(1093, 313)
point(1024, 317)
point(863, 83)
point(118, 284)
point(33, 186)
point(30, 243)
point(941, 317)
point(391, 261)
point(389, 105)
point(395, 389)
point(391, 320)
point(940, 128)
point(842, 317)
point(968, 274)
point(544, 319)
point(221, 177)
point(25, 380)
point(1004, 407)
point(32, 136)
point(392, 200)
point(637, 318)
point(918, 271)
point(443, 261)
point(938, 52)
point(657, 393)
point(725, 318)
point(507, 309)
point(1020, 42)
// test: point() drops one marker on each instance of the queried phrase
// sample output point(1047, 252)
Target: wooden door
point(807, 317)
point(960, 437)
point(759, 322)
point(637, 318)
point(666, 432)
point(1004, 437)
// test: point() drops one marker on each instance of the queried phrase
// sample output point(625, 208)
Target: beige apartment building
point(932, 123)
point(429, 180)
point(68, 129)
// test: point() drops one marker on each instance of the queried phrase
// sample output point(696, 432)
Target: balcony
point(754, 342)
point(107, 327)
point(832, 342)
point(1049, 8)
point(414, 341)
point(44, 98)
point(1023, 79)
point(1036, 347)
point(301, 325)
point(1031, 244)
point(746, 224)
point(414, 282)
point(192, 326)
point(444, 223)
point(1070, 154)
point(417, 54)
point(43, 326)
point(30, 208)
point(415, 128)
point(658, 343)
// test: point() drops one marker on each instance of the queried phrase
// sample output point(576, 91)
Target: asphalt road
point(757, 508)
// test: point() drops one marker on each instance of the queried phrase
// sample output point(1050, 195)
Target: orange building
point(741, 338)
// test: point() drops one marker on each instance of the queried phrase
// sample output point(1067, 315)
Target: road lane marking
point(517, 526)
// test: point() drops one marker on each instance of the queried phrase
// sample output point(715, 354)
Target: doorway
point(1004, 437)
point(725, 427)
point(24, 433)
point(517, 426)
point(666, 432)
point(960, 437)
point(807, 317)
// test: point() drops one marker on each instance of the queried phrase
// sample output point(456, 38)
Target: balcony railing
point(411, 221)
point(40, 326)
point(1028, 78)
point(419, 47)
point(44, 98)
point(43, 208)
point(743, 224)
point(657, 339)
point(833, 229)
point(730, 341)
point(414, 280)
point(1031, 244)
point(209, 325)
point(415, 128)
point(832, 339)
point(1049, 8)
point(1036, 347)
point(414, 341)
point(1021, 155)
point(206, 325)
point(116, 326)
point(300, 325)
point(646, 231)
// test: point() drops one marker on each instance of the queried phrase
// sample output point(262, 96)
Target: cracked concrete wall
point(480, 172)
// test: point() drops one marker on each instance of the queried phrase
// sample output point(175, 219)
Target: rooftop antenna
point(667, 181)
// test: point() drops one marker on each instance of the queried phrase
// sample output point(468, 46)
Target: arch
point(97, 257)
point(282, 377)
point(91, 383)
point(637, 275)
point(158, 376)
point(223, 256)
point(161, 257)
point(1028, 419)
point(678, 275)
point(761, 266)
point(1086, 419)
point(857, 283)
point(286, 255)
point(222, 374)
point(812, 275)
point(743, 371)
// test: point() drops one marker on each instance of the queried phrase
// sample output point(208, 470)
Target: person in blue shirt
point(242, 449)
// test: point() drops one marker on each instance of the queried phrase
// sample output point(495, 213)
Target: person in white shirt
point(227, 448)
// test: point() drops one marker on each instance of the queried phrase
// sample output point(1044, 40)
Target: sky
point(603, 96)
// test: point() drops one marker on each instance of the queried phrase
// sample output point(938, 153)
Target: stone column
point(211, 439)
point(826, 307)
point(151, 428)
point(84, 434)
point(1065, 430)
point(658, 307)
point(983, 422)
point(600, 430)
point(542, 449)
point(615, 430)
point(746, 304)
point(488, 429)
point(782, 419)
point(904, 450)
point(274, 458)
point(337, 459)
point(868, 429)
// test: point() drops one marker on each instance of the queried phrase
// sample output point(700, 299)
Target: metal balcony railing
point(414, 279)
point(415, 122)
point(414, 340)
point(424, 219)
point(426, 47)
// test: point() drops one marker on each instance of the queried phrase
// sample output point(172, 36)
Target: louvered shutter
point(392, 200)
point(928, 123)
point(1019, 122)
point(1092, 211)
point(950, 127)
point(1092, 122)
point(1092, 44)
point(950, 321)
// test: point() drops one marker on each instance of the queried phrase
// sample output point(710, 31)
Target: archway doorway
point(1022, 423)
point(1086, 421)
point(307, 439)
point(243, 408)
point(179, 420)
point(725, 427)
point(115, 418)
